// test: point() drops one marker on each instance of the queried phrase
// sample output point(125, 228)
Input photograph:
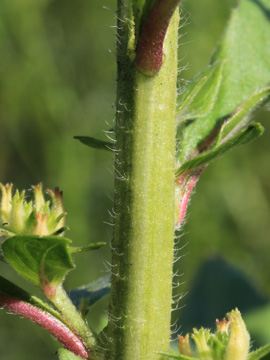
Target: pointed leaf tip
point(89, 247)
point(95, 143)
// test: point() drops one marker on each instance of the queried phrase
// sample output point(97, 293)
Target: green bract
point(38, 217)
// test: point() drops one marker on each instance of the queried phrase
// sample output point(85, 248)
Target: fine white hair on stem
point(118, 175)
point(117, 161)
point(109, 132)
point(113, 214)
point(176, 259)
point(115, 320)
point(110, 138)
point(108, 223)
point(110, 10)
point(177, 275)
point(179, 257)
point(177, 297)
point(123, 104)
point(178, 307)
point(180, 248)
point(174, 334)
point(107, 268)
point(176, 285)
point(109, 265)
point(114, 251)
point(175, 329)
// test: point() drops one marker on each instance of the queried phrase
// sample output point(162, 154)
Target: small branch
point(149, 56)
point(60, 331)
point(63, 303)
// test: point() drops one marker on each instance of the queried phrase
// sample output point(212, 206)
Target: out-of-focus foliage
point(230, 212)
point(57, 80)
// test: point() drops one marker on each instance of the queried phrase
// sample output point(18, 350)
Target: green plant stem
point(63, 303)
point(140, 304)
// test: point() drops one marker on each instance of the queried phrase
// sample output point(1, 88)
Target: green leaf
point(95, 143)
point(246, 46)
point(42, 260)
point(245, 50)
point(65, 354)
point(259, 353)
point(86, 248)
point(86, 296)
point(240, 119)
point(198, 97)
point(175, 355)
point(248, 134)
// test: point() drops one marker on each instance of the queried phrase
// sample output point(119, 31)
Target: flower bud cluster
point(230, 342)
point(39, 217)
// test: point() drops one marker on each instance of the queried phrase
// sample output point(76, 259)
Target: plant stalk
point(141, 295)
point(63, 303)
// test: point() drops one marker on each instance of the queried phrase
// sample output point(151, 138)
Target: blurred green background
point(57, 80)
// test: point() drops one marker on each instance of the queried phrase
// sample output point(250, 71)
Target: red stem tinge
point(59, 330)
point(149, 55)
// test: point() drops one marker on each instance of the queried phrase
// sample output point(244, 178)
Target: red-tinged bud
point(184, 346)
point(223, 325)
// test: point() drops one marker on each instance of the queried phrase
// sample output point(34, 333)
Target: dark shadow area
point(217, 289)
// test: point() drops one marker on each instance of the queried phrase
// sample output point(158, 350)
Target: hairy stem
point(140, 304)
point(63, 303)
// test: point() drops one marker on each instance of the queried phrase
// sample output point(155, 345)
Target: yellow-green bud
point(238, 345)
point(21, 217)
point(230, 342)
